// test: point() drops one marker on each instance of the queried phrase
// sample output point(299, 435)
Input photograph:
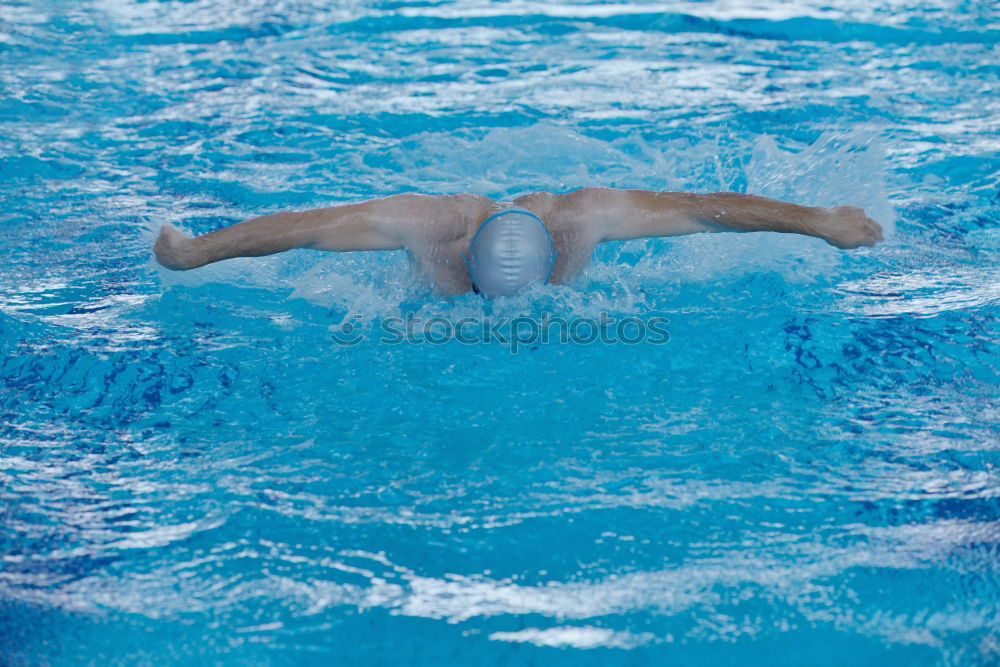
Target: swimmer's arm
point(627, 214)
point(379, 224)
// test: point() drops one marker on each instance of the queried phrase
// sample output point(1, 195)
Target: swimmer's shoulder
point(568, 213)
point(435, 219)
point(541, 204)
point(472, 209)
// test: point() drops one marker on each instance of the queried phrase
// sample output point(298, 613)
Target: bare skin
point(436, 230)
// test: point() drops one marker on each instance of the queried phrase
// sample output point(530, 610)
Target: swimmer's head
point(511, 250)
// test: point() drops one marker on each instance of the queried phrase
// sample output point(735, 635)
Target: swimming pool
point(194, 471)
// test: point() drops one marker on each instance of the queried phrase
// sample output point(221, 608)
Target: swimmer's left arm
point(626, 214)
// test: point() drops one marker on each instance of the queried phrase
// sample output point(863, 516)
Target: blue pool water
point(193, 471)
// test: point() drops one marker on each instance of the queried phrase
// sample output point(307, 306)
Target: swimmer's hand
point(173, 249)
point(848, 227)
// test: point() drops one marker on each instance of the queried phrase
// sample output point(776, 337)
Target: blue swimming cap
point(511, 250)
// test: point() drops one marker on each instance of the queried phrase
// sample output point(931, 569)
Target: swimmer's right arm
point(379, 224)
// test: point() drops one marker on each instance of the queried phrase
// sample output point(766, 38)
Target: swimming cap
point(511, 250)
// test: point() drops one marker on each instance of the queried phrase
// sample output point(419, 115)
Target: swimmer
point(468, 242)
